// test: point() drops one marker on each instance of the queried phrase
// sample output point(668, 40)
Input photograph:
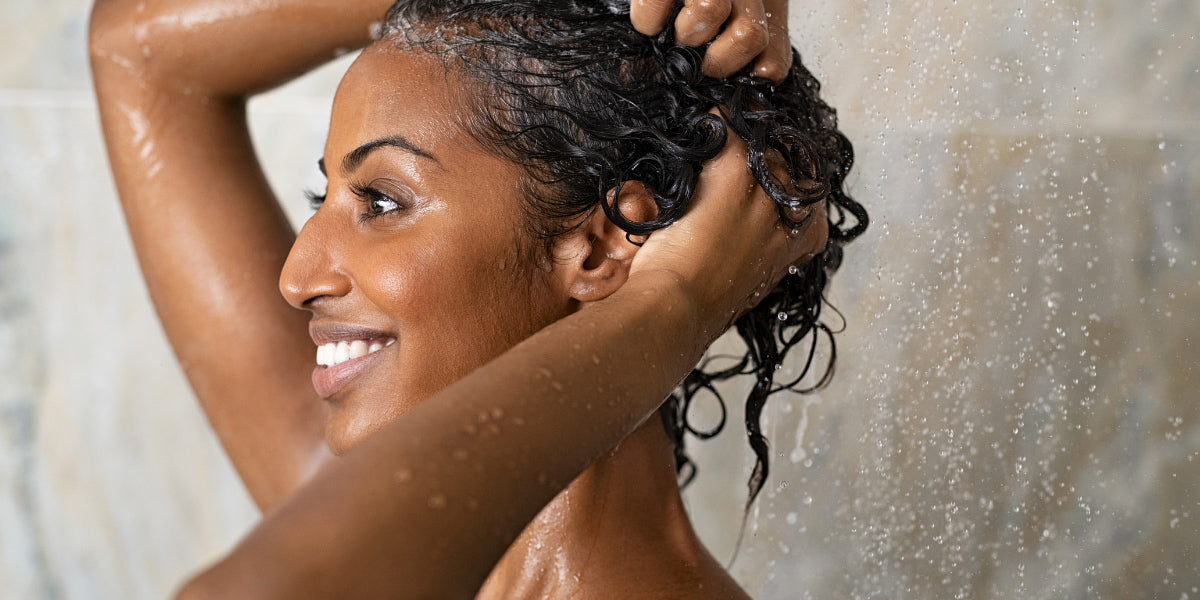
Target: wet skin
point(172, 80)
point(419, 241)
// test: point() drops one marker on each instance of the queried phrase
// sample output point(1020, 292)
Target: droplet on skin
point(497, 413)
point(460, 454)
point(437, 501)
point(793, 269)
point(402, 476)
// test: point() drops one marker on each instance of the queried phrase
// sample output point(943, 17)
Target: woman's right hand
point(739, 31)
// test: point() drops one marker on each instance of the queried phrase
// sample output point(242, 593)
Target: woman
point(490, 335)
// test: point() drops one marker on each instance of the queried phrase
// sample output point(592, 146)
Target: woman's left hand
point(740, 31)
point(731, 247)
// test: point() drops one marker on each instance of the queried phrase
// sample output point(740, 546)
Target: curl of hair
point(584, 103)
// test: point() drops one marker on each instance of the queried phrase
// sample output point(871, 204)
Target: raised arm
point(172, 80)
point(426, 506)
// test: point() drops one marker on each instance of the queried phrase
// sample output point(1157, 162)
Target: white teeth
point(339, 352)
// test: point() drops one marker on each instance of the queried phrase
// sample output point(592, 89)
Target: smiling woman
point(500, 284)
point(407, 247)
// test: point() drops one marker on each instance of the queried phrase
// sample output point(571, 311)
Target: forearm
point(431, 502)
point(171, 80)
point(227, 48)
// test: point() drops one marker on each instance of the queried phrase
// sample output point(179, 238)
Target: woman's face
point(417, 266)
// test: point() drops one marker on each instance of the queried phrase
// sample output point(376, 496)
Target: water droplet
point(793, 269)
point(782, 316)
point(402, 475)
point(437, 501)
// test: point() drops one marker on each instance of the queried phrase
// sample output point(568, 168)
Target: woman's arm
point(172, 80)
point(426, 506)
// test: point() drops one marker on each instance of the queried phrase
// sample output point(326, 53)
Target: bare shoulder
point(697, 577)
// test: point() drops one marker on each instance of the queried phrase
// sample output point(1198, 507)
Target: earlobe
point(600, 251)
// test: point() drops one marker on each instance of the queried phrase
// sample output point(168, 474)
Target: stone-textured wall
point(1014, 413)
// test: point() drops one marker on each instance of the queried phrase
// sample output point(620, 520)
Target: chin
point(342, 433)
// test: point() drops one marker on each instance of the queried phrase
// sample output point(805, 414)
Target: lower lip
point(331, 380)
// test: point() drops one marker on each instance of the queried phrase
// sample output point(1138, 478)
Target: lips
point(343, 353)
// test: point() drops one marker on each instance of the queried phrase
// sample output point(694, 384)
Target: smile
point(338, 363)
point(335, 353)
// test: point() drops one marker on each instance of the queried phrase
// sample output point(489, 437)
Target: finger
point(650, 16)
point(775, 62)
point(745, 36)
point(700, 20)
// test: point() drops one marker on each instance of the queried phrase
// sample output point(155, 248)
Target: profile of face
point(417, 268)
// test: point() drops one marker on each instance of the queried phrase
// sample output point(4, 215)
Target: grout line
point(85, 99)
point(47, 98)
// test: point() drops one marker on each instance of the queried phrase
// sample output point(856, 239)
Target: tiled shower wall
point(1014, 412)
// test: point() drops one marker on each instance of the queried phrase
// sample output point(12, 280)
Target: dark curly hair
point(585, 104)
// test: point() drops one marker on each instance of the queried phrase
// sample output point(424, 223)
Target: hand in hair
point(737, 31)
point(728, 264)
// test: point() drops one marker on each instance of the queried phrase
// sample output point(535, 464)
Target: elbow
point(205, 586)
point(124, 35)
point(197, 589)
point(225, 581)
point(114, 29)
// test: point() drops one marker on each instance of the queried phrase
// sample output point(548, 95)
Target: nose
point(313, 269)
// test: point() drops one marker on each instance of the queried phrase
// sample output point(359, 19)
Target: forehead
point(390, 91)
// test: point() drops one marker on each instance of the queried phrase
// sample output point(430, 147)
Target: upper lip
point(325, 332)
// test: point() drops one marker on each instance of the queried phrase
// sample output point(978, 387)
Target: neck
point(624, 513)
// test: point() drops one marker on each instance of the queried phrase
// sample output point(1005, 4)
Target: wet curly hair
point(585, 103)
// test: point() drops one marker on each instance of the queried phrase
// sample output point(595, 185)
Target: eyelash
point(369, 196)
point(315, 200)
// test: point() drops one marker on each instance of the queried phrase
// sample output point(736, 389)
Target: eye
point(376, 203)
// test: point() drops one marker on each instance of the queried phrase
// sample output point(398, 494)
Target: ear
point(594, 258)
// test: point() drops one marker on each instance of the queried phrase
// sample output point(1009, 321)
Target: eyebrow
point(359, 154)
